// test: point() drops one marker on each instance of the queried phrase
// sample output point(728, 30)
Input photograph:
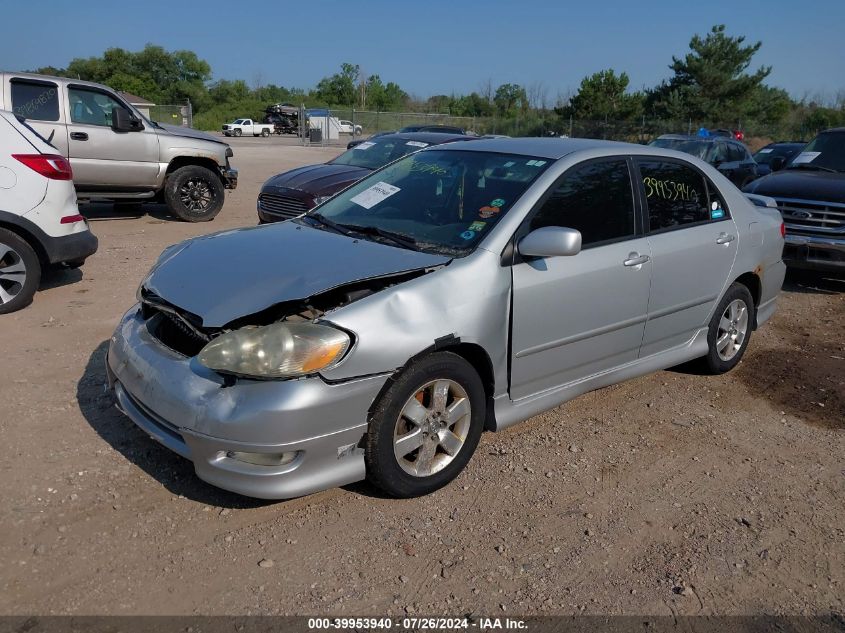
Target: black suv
point(810, 192)
point(727, 155)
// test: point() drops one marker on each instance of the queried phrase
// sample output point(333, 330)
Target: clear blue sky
point(437, 46)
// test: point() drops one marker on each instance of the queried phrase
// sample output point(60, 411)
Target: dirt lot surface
point(671, 494)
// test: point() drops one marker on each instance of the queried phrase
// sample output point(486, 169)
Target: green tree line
point(713, 84)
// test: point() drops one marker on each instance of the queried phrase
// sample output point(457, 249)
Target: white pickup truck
point(243, 127)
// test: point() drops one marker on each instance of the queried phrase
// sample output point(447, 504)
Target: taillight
point(782, 229)
point(51, 166)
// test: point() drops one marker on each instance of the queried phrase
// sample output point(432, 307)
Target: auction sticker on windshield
point(375, 194)
point(364, 145)
point(416, 144)
point(805, 157)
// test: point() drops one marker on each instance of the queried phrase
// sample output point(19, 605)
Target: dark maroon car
point(296, 191)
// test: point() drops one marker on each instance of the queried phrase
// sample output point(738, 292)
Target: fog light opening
point(263, 459)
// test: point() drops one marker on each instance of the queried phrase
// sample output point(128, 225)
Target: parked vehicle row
point(463, 287)
point(730, 156)
point(119, 155)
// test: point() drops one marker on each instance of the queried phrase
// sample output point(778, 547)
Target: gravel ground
point(670, 494)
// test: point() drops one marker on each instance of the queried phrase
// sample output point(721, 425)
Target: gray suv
point(117, 153)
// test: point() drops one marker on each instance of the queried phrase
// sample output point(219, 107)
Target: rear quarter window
point(35, 100)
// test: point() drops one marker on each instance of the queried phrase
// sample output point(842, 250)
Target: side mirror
point(777, 163)
point(550, 241)
point(122, 120)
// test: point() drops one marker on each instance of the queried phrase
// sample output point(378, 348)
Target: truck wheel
point(238, 132)
point(265, 132)
point(194, 193)
point(20, 272)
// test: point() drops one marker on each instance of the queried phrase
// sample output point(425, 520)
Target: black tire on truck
point(194, 193)
point(265, 132)
point(20, 272)
point(238, 132)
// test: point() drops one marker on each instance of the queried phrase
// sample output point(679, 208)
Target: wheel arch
point(19, 226)
point(195, 161)
point(751, 280)
point(473, 353)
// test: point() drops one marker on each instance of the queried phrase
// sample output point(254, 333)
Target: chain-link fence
point(182, 115)
point(336, 127)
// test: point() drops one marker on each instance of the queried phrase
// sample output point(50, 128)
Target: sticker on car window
point(498, 202)
point(535, 163)
point(488, 212)
point(365, 145)
point(716, 211)
point(510, 163)
point(805, 157)
point(477, 226)
point(467, 235)
point(416, 144)
point(766, 150)
point(373, 195)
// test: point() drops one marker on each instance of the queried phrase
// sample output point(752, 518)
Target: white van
point(40, 224)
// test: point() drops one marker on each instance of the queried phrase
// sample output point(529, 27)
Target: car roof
point(65, 80)
point(432, 138)
point(552, 148)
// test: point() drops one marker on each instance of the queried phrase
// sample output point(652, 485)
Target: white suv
point(40, 224)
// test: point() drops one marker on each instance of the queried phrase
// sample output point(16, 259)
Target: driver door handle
point(635, 259)
point(724, 238)
point(79, 136)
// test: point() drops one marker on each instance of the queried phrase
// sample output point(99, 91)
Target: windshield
point(377, 153)
point(765, 155)
point(699, 149)
point(238, 121)
point(826, 151)
point(437, 200)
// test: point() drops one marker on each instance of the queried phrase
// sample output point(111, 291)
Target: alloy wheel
point(733, 328)
point(432, 428)
point(12, 273)
point(196, 195)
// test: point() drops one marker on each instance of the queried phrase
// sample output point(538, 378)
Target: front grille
point(813, 216)
point(173, 328)
point(281, 206)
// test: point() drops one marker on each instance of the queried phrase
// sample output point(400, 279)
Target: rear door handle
point(635, 259)
point(724, 238)
point(79, 136)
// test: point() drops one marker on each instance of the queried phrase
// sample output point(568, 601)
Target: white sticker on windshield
point(805, 157)
point(375, 194)
point(364, 145)
point(510, 163)
point(766, 150)
point(416, 144)
point(535, 163)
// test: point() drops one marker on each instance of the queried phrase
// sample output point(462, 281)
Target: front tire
point(730, 330)
point(20, 272)
point(238, 132)
point(426, 426)
point(194, 193)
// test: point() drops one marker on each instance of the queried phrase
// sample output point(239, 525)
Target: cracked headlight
point(280, 350)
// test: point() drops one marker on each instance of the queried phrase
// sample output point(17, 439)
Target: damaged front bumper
point(222, 428)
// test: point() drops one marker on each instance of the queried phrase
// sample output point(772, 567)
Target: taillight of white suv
point(51, 166)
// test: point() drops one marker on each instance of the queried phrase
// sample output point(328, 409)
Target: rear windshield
point(699, 149)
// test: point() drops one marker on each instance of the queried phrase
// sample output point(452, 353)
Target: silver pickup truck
point(117, 153)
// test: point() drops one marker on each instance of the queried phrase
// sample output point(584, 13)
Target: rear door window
point(35, 100)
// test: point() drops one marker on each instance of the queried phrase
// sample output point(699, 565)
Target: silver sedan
point(462, 288)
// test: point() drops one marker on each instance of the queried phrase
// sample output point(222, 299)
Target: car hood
point(233, 274)
point(802, 184)
point(318, 179)
point(177, 130)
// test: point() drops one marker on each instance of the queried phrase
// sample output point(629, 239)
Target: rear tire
point(194, 193)
point(426, 426)
point(730, 330)
point(265, 133)
point(20, 272)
